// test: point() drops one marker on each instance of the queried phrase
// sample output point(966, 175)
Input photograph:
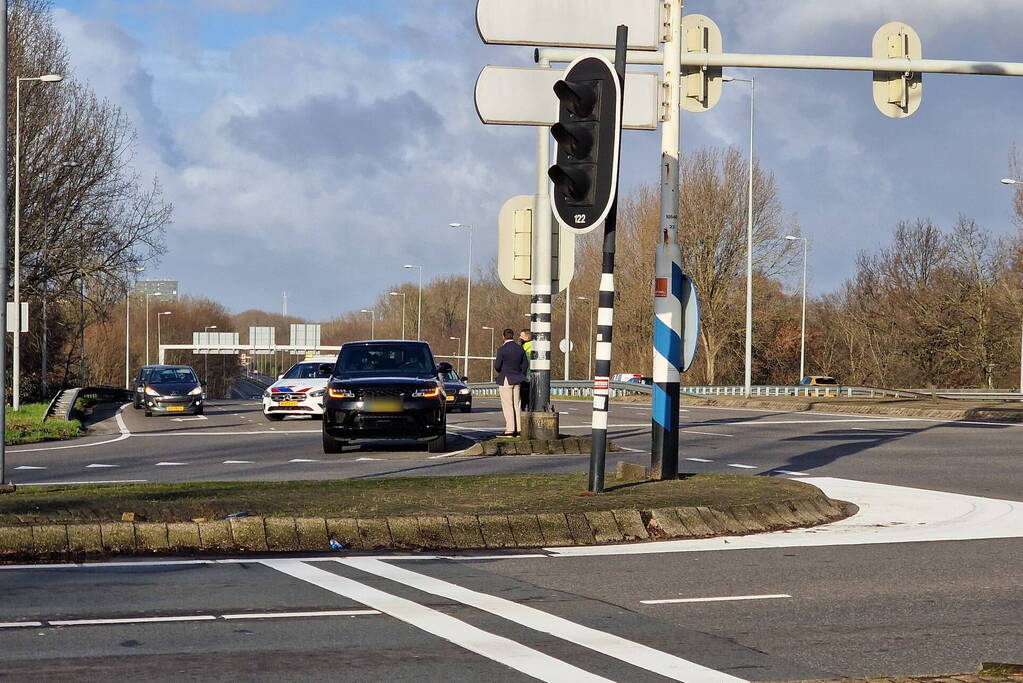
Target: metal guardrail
point(821, 391)
point(62, 405)
point(574, 387)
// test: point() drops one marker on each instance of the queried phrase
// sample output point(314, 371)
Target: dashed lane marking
point(29, 467)
point(672, 601)
point(792, 474)
point(302, 460)
point(741, 466)
point(169, 464)
point(99, 464)
point(237, 462)
point(699, 459)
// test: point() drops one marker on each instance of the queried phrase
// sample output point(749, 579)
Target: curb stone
point(289, 534)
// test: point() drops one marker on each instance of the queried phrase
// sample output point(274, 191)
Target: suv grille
point(378, 392)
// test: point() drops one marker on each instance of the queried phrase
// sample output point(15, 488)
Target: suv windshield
point(304, 371)
point(385, 359)
point(173, 376)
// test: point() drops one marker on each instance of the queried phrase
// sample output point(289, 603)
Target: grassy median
point(477, 495)
point(27, 426)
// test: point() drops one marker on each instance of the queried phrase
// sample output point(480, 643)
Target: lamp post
point(493, 351)
point(148, 294)
point(468, 288)
point(419, 315)
point(458, 345)
point(159, 340)
point(1014, 181)
point(127, 328)
point(206, 367)
point(16, 342)
point(372, 322)
point(589, 361)
point(749, 239)
point(802, 333)
point(402, 295)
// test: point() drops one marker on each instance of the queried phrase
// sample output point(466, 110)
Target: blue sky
point(318, 146)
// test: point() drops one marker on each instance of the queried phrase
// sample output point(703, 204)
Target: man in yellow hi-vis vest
point(526, 339)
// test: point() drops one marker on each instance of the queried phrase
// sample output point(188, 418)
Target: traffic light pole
point(540, 297)
point(667, 356)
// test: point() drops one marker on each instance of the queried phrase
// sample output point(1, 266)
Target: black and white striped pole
point(585, 194)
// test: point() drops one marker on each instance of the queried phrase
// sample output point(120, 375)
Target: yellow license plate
point(384, 405)
point(175, 409)
point(289, 404)
point(451, 398)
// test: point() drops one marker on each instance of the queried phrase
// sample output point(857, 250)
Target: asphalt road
point(927, 578)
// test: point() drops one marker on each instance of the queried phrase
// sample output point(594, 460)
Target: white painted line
point(367, 459)
point(123, 428)
point(20, 624)
point(237, 462)
point(672, 601)
point(302, 615)
point(98, 481)
point(693, 431)
point(741, 466)
point(29, 467)
point(168, 464)
point(699, 459)
point(793, 474)
point(285, 432)
point(608, 644)
point(502, 650)
point(131, 620)
point(97, 464)
point(610, 426)
point(302, 460)
point(631, 450)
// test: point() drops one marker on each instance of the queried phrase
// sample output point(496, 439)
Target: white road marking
point(502, 650)
point(99, 464)
point(99, 481)
point(699, 459)
point(302, 460)
point(741, 466)
point(302, 615)
point(131, 620)
point(20, 624)
point(237, 462)
point(793, 474)
point(672, 601)
point(29, 467)
point(684, 430)
point(189, 419)
point(367, 459)
point(168, 464)
point(605, 643)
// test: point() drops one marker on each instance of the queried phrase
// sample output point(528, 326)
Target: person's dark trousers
point(524, 395)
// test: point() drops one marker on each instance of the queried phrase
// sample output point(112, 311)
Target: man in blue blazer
point(511, 364)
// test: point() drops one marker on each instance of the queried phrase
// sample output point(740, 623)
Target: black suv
point(385, 390)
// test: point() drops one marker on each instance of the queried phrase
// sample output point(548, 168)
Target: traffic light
point(588, 133)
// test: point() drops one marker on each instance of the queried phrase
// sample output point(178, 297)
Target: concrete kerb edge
point(439, 532)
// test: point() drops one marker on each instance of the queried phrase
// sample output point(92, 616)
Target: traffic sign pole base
point(540, 425)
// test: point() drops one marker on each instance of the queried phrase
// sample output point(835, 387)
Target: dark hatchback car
point(385, 390)
point(459, 395)
point(171, 389)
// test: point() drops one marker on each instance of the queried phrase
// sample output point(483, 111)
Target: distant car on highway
point(171, 389)
point(299, 391)
point(627, 377)
point(458, 394)
point(385, 389)
point(818, 380)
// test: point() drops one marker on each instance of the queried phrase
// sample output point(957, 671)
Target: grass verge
point(27, 426)
point(409, 496)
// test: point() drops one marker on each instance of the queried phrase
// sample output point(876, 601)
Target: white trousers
point(510, 406)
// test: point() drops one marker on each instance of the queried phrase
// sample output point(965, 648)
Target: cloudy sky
point(315, 146)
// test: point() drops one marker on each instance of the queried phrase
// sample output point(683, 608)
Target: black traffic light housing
point(588, 133)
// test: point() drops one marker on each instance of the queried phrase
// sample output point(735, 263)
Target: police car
point(300, 390)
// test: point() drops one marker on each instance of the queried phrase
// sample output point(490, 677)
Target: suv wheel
point(274, 417)
point(331, 445)
point(437, 445)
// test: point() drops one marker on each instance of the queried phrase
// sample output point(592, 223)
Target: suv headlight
point(150, 391)
point(339, 392)
point(465, 391)
point(317, 393)
point(432, 392)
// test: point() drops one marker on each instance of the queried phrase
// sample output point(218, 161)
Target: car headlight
point(432, 392)
point(150, 391)
point(317, 393)
point(465, 391)
point(338, 392)
point(266, 394)
point(195, 392)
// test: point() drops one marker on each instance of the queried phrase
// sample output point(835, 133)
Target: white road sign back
point(569, 23)
point(524, 96)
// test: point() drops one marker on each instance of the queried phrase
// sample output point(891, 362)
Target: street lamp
point(402, 295)
point(159, 341)
point(589, 362)
point(749, 239)
point(458, 345)
point(802, 334)
point(16, 342)
point(492, 350)
point(419, 315)
point(372, 322)
point(206, 367)
point(1014, 181)
point(468, 287)
point(149, 294)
